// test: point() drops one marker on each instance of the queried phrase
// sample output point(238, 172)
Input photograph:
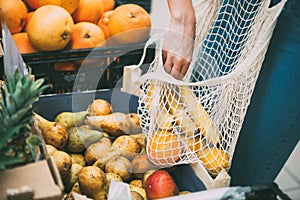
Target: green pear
point(72, 177)
point(80, 138)
point(75, 190)
point(71, 119)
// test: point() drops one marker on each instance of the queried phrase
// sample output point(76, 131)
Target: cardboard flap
point(36, 175)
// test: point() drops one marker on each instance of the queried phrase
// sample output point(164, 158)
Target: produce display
point(94, 146)
point(48, 25)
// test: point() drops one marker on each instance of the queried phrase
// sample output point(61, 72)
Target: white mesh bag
point(197, 120)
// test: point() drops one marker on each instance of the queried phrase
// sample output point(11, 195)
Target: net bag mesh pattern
point(199, 118)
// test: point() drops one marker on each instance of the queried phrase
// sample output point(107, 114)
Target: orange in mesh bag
point(197, 120)
point(164, 147)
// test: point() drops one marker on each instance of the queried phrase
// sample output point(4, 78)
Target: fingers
point(175, 65)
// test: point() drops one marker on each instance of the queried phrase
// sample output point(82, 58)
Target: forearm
point(182, 16)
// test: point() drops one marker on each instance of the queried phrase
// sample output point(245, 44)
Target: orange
point(64, 66)
point(69, 5)
point(103, 22)
point(23, 43)
point(214, 160)
point(50, 28)
point(29, 15)
point(14, 12)
point(108, 5)
point(86, 35)
point(88, 11)
point(129, 23)
point(164, 148)
point(33, 4)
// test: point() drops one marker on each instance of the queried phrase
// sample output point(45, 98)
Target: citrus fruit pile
point(51, 25)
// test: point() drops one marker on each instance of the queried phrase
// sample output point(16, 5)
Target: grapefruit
point(88, 11)
point(103, 22)
point(50, 28)
point(129, 23)
point(23, 43)
point(29, 15)
point(69, 5)
point(14, 13)
point(86, 35)
point(108, 5)
point(32, 4)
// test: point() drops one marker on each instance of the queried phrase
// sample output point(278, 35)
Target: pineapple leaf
point(19, 93)
point(34, 142)
point(20, 114)
point(26, 83)
point(37, 84)
point(11, 82)
point(8, 134)
point(10, 104)
point(16, 114)
point(26, 119)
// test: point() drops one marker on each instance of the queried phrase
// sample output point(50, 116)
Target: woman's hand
point(179, 40)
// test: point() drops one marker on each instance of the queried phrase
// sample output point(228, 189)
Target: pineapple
point(16, 119)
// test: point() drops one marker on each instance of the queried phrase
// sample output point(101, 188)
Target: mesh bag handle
point(197, 120)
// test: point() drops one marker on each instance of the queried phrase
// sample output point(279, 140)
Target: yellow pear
point(54, 133)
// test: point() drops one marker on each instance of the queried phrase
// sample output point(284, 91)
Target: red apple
point(160, 184)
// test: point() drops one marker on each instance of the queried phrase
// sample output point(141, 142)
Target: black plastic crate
point(107, 70)
point(146, 4)
point(78, 101)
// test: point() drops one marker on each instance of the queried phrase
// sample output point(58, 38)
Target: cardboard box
point(37, 181)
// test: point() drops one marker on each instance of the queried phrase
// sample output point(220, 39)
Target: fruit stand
point(87, 141)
